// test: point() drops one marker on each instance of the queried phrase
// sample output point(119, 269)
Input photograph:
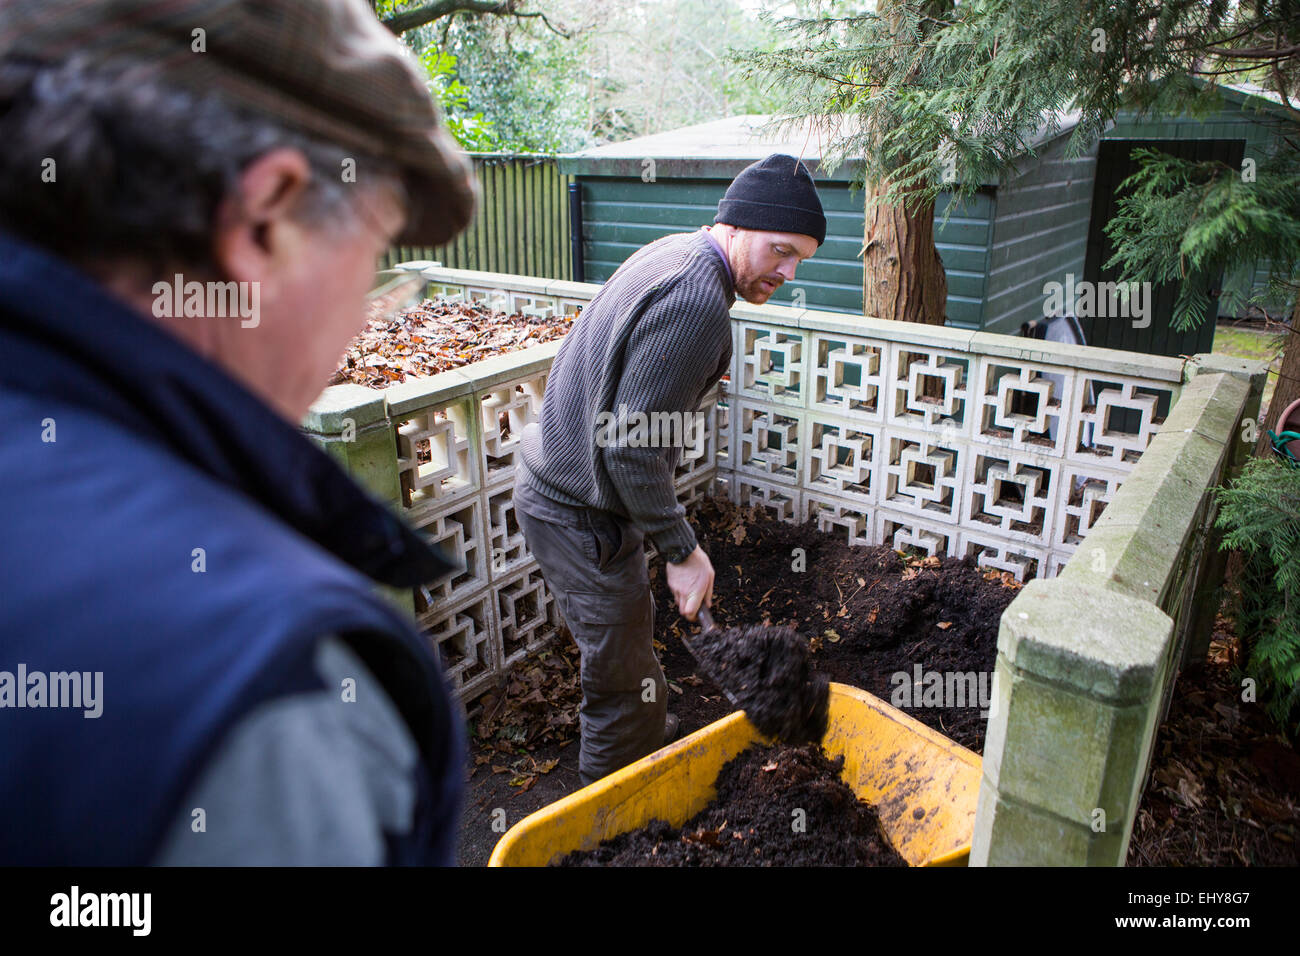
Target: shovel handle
point(706, 623)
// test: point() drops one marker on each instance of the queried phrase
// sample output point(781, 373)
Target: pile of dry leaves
point(538, 706)
point(436, 336)
point(1225, 786)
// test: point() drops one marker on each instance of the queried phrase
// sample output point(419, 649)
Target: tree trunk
point(1288, 383)
point(902, 275)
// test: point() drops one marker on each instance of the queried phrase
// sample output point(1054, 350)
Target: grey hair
point(139, 167)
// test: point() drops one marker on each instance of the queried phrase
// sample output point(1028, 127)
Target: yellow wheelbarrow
point(922, 785)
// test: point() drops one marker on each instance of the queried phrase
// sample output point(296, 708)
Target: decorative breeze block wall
point(937, 439)
point(947, 441)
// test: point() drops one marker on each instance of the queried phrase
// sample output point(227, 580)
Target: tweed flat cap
point(327, 68)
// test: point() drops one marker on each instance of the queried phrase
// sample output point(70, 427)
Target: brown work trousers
point(594, 563)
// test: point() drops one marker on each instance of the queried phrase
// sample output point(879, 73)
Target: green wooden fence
point(521, 226)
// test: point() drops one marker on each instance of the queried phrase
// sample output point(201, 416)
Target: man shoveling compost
point(593, 488)
point(765, 671)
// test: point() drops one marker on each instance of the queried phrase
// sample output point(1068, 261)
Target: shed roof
point(719, 149)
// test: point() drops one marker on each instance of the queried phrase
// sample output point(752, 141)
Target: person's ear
point(255, 233)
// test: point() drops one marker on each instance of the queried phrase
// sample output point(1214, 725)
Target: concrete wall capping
point(1086, 638)
point(339, 403)
point(1204, 364)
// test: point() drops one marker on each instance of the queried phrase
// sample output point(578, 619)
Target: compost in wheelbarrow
point(922, 786)
point(778, 805)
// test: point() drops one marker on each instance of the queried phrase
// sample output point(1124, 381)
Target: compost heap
point(753, 820)
point(767, 670)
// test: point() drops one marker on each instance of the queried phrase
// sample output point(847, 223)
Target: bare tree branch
point(403, 20)
point(1257, 53)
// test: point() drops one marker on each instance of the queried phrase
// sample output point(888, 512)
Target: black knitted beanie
point(775, 194)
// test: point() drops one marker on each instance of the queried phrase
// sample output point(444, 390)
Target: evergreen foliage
point(1183, 220)
point(937, 95)
point(1260, 511)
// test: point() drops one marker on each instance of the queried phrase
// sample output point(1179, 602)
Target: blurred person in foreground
point(195, 664)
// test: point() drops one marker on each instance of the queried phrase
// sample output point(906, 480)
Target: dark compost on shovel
point(766, 671)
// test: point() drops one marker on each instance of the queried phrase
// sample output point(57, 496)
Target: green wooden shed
point(1001, 248)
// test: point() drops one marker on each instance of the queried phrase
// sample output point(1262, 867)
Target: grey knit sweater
point(655, 338)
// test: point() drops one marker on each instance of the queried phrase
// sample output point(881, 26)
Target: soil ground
point(752, 821)
point(1225, 785)
point(867, 614)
